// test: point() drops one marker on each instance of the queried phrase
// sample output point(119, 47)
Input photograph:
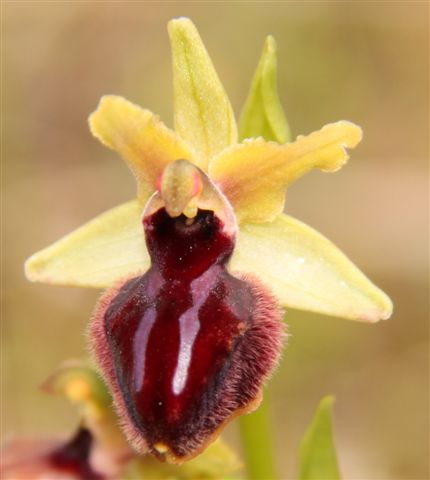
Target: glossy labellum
point(187, 346)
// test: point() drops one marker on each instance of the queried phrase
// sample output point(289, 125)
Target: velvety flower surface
point(190, 327)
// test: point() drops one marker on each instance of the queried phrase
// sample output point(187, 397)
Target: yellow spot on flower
point(161, 447)
point(78, 389)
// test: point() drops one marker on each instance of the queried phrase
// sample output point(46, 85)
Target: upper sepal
point(202, 111)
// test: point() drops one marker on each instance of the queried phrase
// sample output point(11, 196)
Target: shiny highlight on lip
point(186, 346)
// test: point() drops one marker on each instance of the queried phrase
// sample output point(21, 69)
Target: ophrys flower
point(192, 327)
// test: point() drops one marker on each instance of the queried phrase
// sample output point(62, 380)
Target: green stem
point(257, 444)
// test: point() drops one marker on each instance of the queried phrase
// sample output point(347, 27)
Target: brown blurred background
point(362, 61)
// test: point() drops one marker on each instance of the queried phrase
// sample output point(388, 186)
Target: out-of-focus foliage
point(317, 457)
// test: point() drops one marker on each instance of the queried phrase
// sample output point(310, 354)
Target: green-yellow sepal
point(203, 114)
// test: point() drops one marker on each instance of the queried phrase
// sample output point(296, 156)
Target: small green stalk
point(257, 444)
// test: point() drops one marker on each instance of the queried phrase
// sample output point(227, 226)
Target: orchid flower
point(190, 327)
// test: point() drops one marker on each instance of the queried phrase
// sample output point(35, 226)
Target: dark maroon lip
point(179, 342)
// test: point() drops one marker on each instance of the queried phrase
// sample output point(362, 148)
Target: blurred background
point(362, 61)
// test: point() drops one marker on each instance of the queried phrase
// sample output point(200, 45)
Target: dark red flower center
point(181, 339)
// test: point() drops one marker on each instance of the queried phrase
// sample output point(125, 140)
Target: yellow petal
point(97, 254)
point(202, 110)
point(144, 142)
point(255, 174)
point(306, 271)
